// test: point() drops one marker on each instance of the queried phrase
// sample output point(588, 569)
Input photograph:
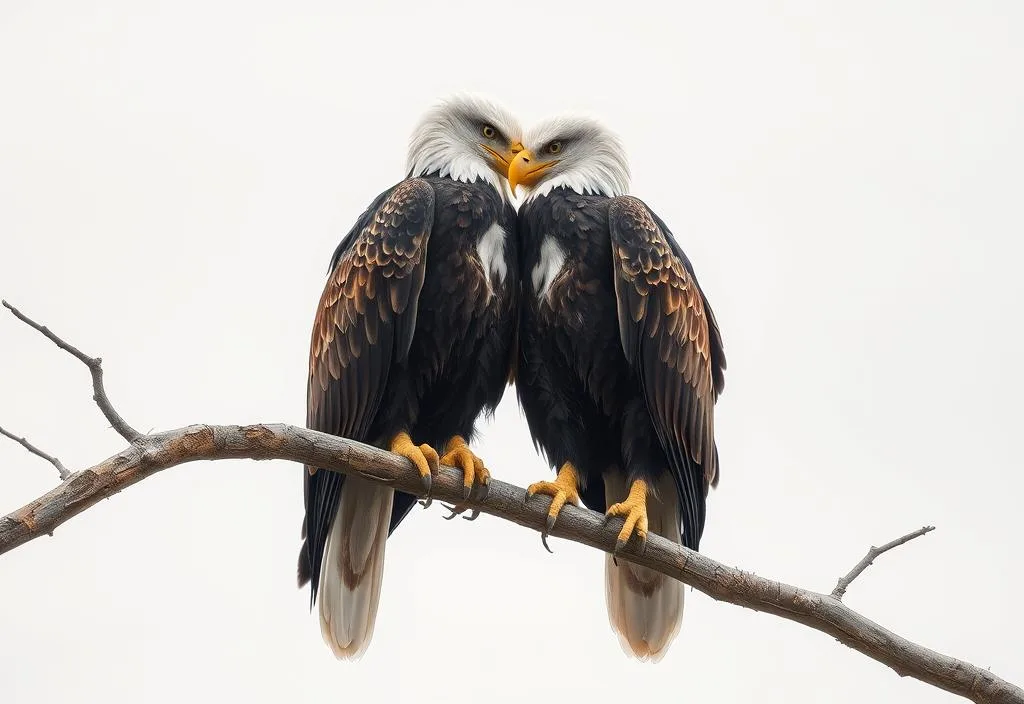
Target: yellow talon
point(458, 454)
point(634, 510)
point(564, 489)
point(423, 456)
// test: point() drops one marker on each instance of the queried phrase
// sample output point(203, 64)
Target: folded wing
point(364, 324)
point(670, 338)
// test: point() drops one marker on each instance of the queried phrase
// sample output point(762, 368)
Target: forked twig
point(95, 365)
point(873, 553)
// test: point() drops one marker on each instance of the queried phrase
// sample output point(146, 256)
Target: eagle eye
point(490, 132)
point(554, 147)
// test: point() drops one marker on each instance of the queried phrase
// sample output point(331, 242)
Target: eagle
point(620, 362)
point(413, 337)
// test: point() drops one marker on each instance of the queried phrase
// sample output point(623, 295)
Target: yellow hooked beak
point(527, 170)
point(500, 162)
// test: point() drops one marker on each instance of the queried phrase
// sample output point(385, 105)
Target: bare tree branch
point(61, 469)
point(873, 553)
point(152, 453)
point(95, 365)
point(823, 612)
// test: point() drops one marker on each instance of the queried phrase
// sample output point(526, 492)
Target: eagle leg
point(564, 489)
point(458, 454)
point(634, 511)
point(423, 456)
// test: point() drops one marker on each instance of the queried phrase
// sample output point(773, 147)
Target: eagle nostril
point(525, 160)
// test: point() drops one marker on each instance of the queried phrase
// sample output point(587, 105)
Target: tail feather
point(645, 608)
point(353, 567)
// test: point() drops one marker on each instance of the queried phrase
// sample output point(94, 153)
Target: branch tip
point(61, 469)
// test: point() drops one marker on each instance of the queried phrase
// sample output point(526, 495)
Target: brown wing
point(364, 324)
point(670, 338)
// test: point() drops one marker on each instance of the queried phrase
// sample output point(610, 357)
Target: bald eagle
point(620, 362)
point(413, 338)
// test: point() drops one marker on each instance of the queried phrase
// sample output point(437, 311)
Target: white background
point(846, 177)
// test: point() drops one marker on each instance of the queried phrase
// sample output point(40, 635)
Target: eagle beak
point(527, 170)
point(501, 162)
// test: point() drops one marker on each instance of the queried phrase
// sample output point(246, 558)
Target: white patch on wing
point(550, 264)
point(491, 251)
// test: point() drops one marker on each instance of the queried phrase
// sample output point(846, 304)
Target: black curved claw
point(544, 542)
point(466, 491)
point(428, 481)
point(548, 525)
point(456, 511)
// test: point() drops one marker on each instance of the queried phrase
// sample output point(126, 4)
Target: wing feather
point(671, 339)
point(364, 324)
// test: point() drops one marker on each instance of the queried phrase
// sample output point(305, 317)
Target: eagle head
point(467, 138)
point(573, 151)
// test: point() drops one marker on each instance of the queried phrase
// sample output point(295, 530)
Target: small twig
point(64, 473)
point(873, 553)
point(95, 365)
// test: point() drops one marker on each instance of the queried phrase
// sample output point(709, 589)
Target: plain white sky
point(846, 177)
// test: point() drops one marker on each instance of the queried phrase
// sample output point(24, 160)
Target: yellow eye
point(489, 132)
point(554, 147)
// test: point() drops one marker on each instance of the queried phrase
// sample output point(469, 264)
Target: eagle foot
point(457, 454)
point(475, 475)
point(634, 511)
point(423, 456)
point(564, 489)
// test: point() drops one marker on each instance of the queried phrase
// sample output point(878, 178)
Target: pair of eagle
point(442, 294)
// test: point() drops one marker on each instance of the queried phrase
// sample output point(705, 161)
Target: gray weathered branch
point(823, 612)
point(845, 582)
point(149, 454)
point(61, 469)
point(95, 365)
